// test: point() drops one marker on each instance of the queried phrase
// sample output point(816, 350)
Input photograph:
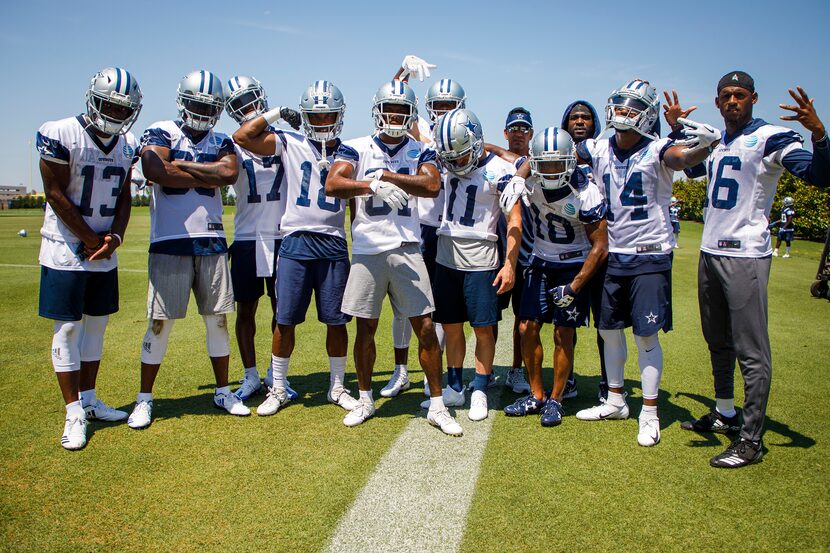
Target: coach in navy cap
point(518, 130)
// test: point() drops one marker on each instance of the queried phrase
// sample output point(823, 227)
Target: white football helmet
point(322, 97)
point(246, 98)
point(394, 92)
point(113, 100)
point(641, 106)
point(200, 100)
point(459, 140)
point(553, 158)
point(445, 90)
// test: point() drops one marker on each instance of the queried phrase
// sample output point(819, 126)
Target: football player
point(187, 162)
point(570, 244)
point(785, 226)
point(86, 166)
point(744, 163)
point(260, 203)
point(380, 171)
point(635, 168)
point(468, 275)
point(674, 218)
point(313, 255)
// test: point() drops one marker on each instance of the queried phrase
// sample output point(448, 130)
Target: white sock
point(279, 367)
point(144, 397)
point(337, 372)
point(223, 390)
point(648, 412)
point(75, 409)
point(650, 359)
point(725, 407)
point(252, 373)
point(436, 403)
point(366, 395)
point(788, 251)
point(615, 399)
point(87, 397)
point(403, 369)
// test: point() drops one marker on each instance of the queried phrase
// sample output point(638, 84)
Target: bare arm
point(506, 276)
point(157, 169)
point(506, 155)
point(253, 136)
point(341, 184)
point(221, 172)
point(123, 206)
point(426, 184)
point(674, 158)
point(55, 182)
point(598, 236)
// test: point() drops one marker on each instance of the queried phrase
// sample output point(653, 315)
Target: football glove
point(413, 65)
point(513, 190)
point(562, 296)
point(395, 197)
point(699, 136)
point(291, 116)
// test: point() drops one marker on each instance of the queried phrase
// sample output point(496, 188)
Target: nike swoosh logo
point(601, 416)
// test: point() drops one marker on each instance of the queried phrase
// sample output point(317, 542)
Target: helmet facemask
point(634, 107)
point(112, 114)
point(394, 123)
point(199, 111)
point(245, 104)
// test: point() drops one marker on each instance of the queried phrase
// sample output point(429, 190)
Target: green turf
point(201, 480)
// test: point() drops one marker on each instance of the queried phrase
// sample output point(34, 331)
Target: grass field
point(199, 480)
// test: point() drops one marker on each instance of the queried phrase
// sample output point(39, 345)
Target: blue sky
point(541, 55)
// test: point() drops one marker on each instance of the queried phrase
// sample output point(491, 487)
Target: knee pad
point(401, 332)
point(92, 343)
point(66, 346)
point(154, 345)
point(217, 337)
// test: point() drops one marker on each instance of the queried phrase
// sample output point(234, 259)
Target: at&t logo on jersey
point(413, 153)
point(751, 141)
point(128, 150)
point(569, 209)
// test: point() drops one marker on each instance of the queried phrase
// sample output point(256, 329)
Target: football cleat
point(603, 411)
point(714, 422)
point(527, 405)
point(774, 253)
point(649, 433)
point(451, 398)
point(99, 410)
point(268, 382)
point(443, 420)
point(274, 400)
point(397, 384)
point(249, 387)
point(478, 406)
point(570, 389)
point(740, 453)
point(342, 397)
point(551, 413)
point(516, 381)
point(74, 433)
point(231, 404)
point(785, 256)
point(142, 415)
point(364, 410)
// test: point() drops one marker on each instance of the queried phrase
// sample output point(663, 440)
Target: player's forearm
point(251, 136)
point(506, 155)
point(340, 186)
point(421, 185)
point(596, 257)
point(214, 173)
point(166, 173)
point(514, 235)
point(123, 207)
point(69, 215)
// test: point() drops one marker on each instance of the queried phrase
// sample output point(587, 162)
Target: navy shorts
point(429, 249)
point(786, 235)
point(514, 293)
point(297, 279)
point(247, 287)
point(69, 295)
point(537, 304)
point(675, 225)
point(462, 296)
point(639, 301)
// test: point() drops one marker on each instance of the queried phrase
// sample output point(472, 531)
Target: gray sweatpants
point(732, 292)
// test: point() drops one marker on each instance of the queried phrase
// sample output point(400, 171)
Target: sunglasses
point(518, 128)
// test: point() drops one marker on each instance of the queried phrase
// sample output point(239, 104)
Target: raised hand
point(672, 110)
point(804, 113)
point(413, 65)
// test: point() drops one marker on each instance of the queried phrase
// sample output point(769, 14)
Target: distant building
point(8, 193)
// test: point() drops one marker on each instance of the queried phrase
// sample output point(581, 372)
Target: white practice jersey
point(97, 174)
point(377, 227)
point(742, 176)
point(637, 190)
point(307, 208)
point(558, 222)
point(177, 213)
point(260, 198)
point(472, 201)
point(430, 210)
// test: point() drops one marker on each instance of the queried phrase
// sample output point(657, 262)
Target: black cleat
point(739, 454)
point(714, 422)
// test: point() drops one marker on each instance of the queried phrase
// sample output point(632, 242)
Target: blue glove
point(562, 296)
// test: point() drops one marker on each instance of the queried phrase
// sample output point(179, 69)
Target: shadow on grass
point(795, 438)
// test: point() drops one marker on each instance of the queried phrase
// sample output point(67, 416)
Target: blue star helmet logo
point(471, 125)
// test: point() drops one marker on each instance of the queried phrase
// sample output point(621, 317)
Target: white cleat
point(516, 381)
point(785, 256)
point(249, 387)
point(364, 410)
point(99, 410)
point(274, 399)
point(74, 433)
point(774, 253)
point(478, 406)
point(397, 384)
point(443, 420)
point(602, 412)
point(231, 404)
point(343, 398)
point(649, 433)
point(142, 415)
point(268, 382)
point(451, 398)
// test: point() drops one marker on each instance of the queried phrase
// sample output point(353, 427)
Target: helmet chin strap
point(324, 163)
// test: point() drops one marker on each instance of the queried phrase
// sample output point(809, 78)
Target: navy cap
point(518, 116)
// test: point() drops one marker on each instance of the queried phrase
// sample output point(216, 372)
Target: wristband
point(120, 240)
point(273, 115)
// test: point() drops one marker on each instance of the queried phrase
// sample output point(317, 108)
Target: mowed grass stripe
point(418, 497)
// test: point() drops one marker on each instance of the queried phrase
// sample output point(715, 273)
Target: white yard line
point(419, 494)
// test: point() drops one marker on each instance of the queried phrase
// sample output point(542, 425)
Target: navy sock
point(480, 382)
point(454, 378)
